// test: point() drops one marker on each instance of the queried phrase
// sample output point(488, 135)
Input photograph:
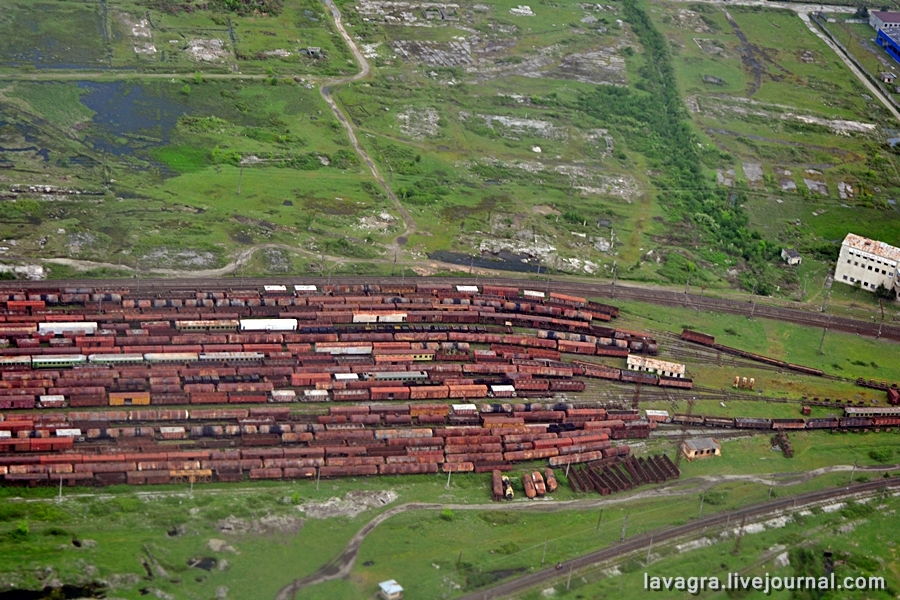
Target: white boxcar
point(268, 324)
point(83, 327)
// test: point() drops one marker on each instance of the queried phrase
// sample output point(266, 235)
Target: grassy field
point(135, 525)
point(168, 36)
point(843, 355)
point(855, 532)
point(746, 96)
point(166, 160)
point(517, 141)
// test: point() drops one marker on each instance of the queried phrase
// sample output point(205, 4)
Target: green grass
point(69, 34)
point(784, 341)
point(493, 544)
point(859, 553)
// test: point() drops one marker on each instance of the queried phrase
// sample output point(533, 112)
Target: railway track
point(750, 308)
point(658, 536)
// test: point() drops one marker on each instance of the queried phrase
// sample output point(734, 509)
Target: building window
point(852, 280)
point(870, 267)
point(855, 264)
point(845, 278)
point(848, 261)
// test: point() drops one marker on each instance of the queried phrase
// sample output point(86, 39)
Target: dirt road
point(341, 565)
point(326, 90)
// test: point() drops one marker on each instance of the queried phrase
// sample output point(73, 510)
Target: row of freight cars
point(494, 445)
point(144, 337)
point(17, 301)
point(854, 418)
point(15, 434)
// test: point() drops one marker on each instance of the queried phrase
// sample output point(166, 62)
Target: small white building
point(868, 263)
point(701, 448)
point(390, 590)
point(654, 365)
point(791, 256)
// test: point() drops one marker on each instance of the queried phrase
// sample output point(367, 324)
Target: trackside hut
point(701, 448)
point(390, 590)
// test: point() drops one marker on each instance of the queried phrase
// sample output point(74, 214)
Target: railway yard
point(104, 385)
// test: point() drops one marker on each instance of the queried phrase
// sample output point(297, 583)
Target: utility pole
point(544, 555)
point(60, 487)
point(615, 273)
point(449, 473)
point(702, 498)
point(599, 518)
point(822, 342)
point(569, 580)
point(853, 471)
point(624, 525)
point(240, 177)
point(737, 542)
point(317, 479)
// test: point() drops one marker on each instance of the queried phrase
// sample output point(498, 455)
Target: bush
point(881, 455)
point(447, 515)
point(21, 532)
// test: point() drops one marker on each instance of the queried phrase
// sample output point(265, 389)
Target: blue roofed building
point(889, 39)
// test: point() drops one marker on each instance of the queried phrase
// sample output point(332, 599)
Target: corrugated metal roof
point(702, 444)
point(170, 356)
point(463, 407)
point(85, 326)
point(890, 410)
point(346, 376)
point(68, 433)
point(50, 358)
point(532, 294)
point(390, 587)
point(467, 288)
point(231, 355)
point(207, 323)
point(656, 413)
point(654, 363)
point(887, 16)
point(275, 288)
point(115, 357)
point(305, 288)
point(857, 242)
point(503, 388)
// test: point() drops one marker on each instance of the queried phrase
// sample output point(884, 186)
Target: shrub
point(881, 455)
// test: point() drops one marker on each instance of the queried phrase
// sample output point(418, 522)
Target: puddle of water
point(207, 563)
point(504, 261)
point(58, 593)
point(124, 110)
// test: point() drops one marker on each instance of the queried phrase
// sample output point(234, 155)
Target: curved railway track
point(750, 308)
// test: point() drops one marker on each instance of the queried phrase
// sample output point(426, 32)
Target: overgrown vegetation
point(657, 112)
